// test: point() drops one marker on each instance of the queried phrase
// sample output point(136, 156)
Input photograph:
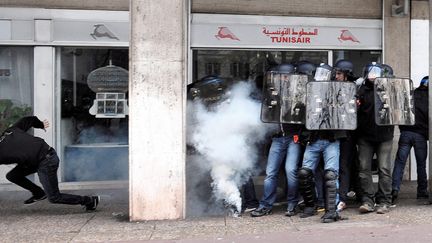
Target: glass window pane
point(359, 58)
point(95, 148)
point(247, 64)
point(16, 84)
point(16, 89)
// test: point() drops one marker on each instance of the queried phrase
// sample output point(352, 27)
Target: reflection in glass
point(331, 105)
point(394, 102)
point(95, 149)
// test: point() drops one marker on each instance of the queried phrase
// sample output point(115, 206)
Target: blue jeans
point(282, 147)
point(330, 152)
point(366, 150)
point(408, 140)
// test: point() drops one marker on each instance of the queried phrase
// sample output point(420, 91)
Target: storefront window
point(251, 64)
point(16, 88)
point(247, 64)
point(359, 58)
point(95, 147)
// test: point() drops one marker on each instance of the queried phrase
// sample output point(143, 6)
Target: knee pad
point(305, 173)
point(330, 178)
point(307, 186)
point(330, 175)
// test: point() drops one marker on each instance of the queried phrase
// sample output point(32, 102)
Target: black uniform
point(33, 154)
point(421, 126)
point(371, 139)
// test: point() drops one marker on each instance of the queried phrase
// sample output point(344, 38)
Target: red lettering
point(290, 39)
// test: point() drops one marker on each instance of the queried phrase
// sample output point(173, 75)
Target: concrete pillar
point(157, 109)
point(396, 40)
point(430, 103)
point(396, 50)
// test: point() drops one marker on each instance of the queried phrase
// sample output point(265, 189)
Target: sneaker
point(91, 206)
point(341, 206)
point(320, 209)
point(308, 212)
point(291, 211)
point(351, 194)
point(330, 217)
point(34, 199)
point(382, 209)
point(261, 211)
point(249, 209)
point(366, 208)
point(394, 195)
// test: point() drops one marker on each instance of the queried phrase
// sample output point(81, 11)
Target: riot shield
point(331, 105)
point(293, 95)
point(270, 109)
point(284, 98)
point(394, 101)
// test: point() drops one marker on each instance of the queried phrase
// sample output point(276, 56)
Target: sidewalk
point(410, 221)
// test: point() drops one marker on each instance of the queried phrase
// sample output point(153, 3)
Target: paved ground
point(410, 221)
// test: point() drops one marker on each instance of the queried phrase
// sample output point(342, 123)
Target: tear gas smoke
point(98, 153)
point(225, 138)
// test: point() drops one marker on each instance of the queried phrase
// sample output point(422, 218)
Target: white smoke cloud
point(225, 137)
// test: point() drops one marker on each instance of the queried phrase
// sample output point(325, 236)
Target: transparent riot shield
point(331, 105)
point(270, 109)
point(293, 94)
point(394, 101)
point(284, 98)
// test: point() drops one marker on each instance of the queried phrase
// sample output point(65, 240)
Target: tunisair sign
point(317, 33)
point(290, 34)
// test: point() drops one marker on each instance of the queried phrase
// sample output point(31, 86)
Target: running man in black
point(33, 155)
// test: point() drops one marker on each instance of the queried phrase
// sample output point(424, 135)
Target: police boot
point(331, 215)
point(307, 190)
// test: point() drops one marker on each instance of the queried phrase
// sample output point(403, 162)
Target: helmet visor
point(373, 73)
point(322, 74)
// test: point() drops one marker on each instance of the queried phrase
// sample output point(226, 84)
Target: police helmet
point(285, 68)
point(373, 70)
point(344, 66)
point(209, 87)
point(425, 81)
point(387, 70)
point(305, 67)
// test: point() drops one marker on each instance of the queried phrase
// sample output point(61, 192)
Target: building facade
point(48, 49)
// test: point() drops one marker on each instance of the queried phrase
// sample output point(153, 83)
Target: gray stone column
point(396, 48)
point(396, 40)
point(430, 103)
point(157, 109)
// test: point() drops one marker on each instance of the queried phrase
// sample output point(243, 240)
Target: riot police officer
point(321, 143)
point(343, 70)
point(373, 139)
point(285, 151)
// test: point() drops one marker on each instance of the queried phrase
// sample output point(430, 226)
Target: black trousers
point(47, 172)
point(249, 196)
point(348, 172)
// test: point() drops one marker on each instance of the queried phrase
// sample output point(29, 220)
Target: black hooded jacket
point(421, 100)
point(19, 147)
point(367, 129)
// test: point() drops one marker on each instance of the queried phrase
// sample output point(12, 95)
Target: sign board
point(284, 32)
